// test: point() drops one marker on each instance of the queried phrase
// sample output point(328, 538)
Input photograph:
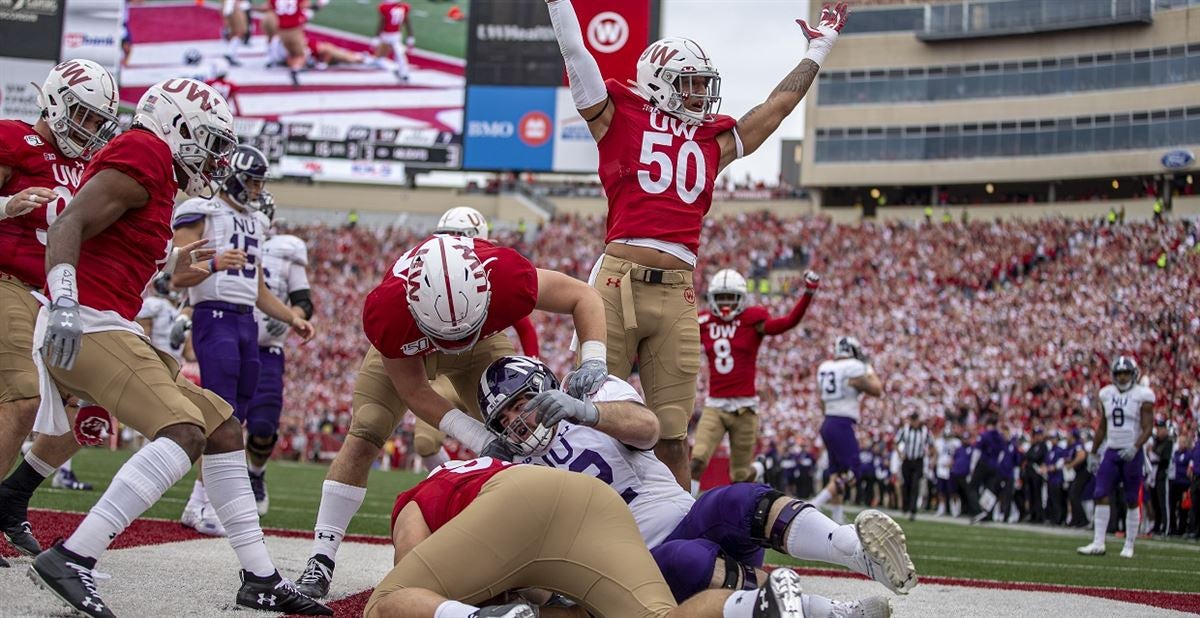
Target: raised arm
point(587, 85)
point(761, 121)
point(776, 326)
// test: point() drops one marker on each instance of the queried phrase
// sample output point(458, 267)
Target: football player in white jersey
point(840, 382)
point(716, 541)
point(158, 313)
point(224, 332)
point(1127, 414)
point(284, 259)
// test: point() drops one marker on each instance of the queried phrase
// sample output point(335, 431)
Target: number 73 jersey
point(657, 171)
point(1123, 413)
point(226, 228)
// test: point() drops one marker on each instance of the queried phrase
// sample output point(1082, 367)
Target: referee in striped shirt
point(912, 442)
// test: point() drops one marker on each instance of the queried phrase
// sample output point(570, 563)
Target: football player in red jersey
point(539, 528)
point(290, 17)
point(731, 334)
point(40, 169)
point(88, 344)
point(437, 315)
point(393, 16)
point(662, 145)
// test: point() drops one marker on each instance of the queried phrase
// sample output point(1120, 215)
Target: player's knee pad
point(738, 576)
point(261, 446)
point(261, 428)
point(776, 537)
point(687, 565)
point(426, 446)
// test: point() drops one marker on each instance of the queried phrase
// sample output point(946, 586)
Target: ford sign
point(1178, 159)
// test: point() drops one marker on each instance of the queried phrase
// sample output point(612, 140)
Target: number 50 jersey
point(1123, 413)
point(226, 228)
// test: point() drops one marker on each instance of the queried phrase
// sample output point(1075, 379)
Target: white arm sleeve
point(587, 85)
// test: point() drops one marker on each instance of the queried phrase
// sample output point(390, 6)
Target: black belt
point(217, 305)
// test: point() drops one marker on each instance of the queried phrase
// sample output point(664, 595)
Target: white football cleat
point(1092, 549)
point(203, 520)
point(884, 555)
point(1127, 552)
point(870, 607)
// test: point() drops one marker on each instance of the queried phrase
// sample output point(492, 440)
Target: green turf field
point(937, 548)
point(430, 27)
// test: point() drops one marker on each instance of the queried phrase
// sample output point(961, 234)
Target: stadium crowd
point(1012, 319)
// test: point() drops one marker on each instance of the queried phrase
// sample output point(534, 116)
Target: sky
point(753, 44)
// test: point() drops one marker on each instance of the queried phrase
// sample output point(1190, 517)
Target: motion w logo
point(608, 32)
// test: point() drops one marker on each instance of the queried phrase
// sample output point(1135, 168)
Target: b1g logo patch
point(34, 140)
point(689, 295)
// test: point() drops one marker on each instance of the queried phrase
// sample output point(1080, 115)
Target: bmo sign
point(509, 128)
point(616, 32)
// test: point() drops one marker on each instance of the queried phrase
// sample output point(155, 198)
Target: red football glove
point(821, 38)
point(812, 281)
point(93, 425)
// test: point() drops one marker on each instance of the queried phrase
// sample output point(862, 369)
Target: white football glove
point(1129, 453)
point(822, 38)
point(812, 281)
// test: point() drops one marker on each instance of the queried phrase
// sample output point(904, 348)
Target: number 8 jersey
point(1123, 413)
point(732, 349)
point(657, 171)
point(226, 228)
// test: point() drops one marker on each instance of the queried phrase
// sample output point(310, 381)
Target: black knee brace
point(738, 576)
point(262, 446)
point(775, 538)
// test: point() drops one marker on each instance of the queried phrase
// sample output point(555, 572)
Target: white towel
point(592, 282)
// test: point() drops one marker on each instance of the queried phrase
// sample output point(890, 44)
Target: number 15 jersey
point(1123, 413)
point(226, 228)
point(657, 171)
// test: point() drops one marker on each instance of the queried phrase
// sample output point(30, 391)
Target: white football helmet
point(848, 347)
point(463, 221)
point(725, 284)
point(79, 102)
point(195, 121)
point(448, 292)
point(679, 78)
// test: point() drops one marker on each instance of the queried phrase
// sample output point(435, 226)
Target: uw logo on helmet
point(659, 54)
point(73, 72)
point(195, 92)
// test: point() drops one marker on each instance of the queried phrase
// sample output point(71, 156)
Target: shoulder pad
point(289, 248)
point(703, 318)
point(196, 206)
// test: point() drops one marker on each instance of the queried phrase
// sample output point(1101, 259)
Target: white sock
point(256, 469)
point(229, 489)
point(232, 46)
point(821, 498)
point(137, 485)
point(39, 466)
point(816, 606)
point(339, 503)
point(402, 61)
point(695, 489)
point(740, 604)
point(1133, 518)
point(66, 465)
point(837, 514)
point(432, 461)
point(1101, 523)
point(454, 609)
point(813, 536)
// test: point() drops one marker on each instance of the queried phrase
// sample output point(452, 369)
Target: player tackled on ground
point(662, 145)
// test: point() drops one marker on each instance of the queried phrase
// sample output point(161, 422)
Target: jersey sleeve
point(297, 278)
point(616, 389)
point(856, 369)
point(386, 321)
point(148, 311)
point(132, 156)
point(8, 139)
point(191, 211)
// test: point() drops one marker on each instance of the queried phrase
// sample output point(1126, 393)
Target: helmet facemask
point(519, 427)
point(726, 305)
point(205, 156)
point(84, 129)
point(695, 96)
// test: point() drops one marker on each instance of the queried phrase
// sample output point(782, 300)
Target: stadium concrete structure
point(981, 102)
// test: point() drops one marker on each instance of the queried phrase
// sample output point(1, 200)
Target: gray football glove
point(555, 406)
point(64, 333)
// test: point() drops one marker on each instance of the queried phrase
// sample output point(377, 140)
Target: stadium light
point(989, 188)
point(1115, 184)
point(874, 194)
point(1189, 179)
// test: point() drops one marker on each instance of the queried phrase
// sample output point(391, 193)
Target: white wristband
point(472, 433)
point(61, 282)
point(593, 350)
point(4, 206)
point(818, 49)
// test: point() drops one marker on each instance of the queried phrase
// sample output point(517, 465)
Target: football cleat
point(870, 607)
point(278, 595)
point(1127, 552)
point(4, 563)
point(512, 610)
point(782, 597)
point(69, 577)
point(317, 576)
point(258, 484)
point(65, 479)
point(203, 520)
point(885, 551)
point(20, 536)
point(1091, 549)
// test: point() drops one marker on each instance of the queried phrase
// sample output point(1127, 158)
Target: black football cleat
point(20, 536)
point(69, 577)
point(278, 595)
point(781, 597)
point(317, 577)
